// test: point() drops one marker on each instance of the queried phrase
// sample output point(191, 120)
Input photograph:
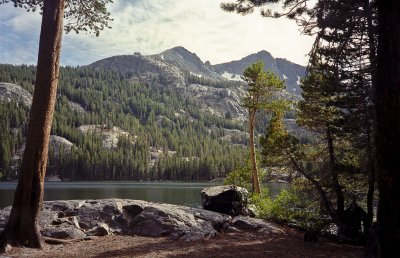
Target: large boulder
point(174, 221)
point(87, 218)
point(254, 224)
point(227, 199)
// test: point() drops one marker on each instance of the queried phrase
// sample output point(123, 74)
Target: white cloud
point(153, 26)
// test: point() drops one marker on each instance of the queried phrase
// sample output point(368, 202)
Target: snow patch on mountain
point(232, 76)
point(298, 80)
point(195, 74)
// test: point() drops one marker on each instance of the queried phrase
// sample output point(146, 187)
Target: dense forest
point(164, 136)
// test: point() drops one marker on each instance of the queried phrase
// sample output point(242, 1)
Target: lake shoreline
point(180, 193)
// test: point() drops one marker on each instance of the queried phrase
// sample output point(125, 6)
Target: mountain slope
point(209, 87)
point(287, 70)
point(184, 71)
point(129, 130)
point(144, 68)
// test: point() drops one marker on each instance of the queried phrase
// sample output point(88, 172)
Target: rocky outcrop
point(78, 219)
point(227, 199)
point(76, 107)
point(60, 145)
point(57, 146)
point(9, 91)
point(253, 224)
point(218, 101)
point(81, 219)
point(110, 135)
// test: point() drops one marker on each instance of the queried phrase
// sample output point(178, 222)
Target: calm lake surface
point(187, 194)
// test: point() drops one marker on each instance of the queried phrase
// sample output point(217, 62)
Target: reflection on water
point(187, 194)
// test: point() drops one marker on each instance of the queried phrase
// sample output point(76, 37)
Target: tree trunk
point(334, 173)
point(387, 133)
point(371, 183)
point(256, 180)
point(22, 228)
point(370, 125)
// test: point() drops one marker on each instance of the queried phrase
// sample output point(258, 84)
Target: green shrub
point(281, 209)
point(241, 176)
point(288, 207)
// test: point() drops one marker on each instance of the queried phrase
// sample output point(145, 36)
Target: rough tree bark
point(387, 133)
point(22, 228)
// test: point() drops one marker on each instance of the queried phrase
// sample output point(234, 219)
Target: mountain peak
point(179, 49)
point(263, 52)
point(188, 61)
point(263, 55)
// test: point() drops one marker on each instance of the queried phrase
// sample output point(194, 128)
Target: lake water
point(187, 194)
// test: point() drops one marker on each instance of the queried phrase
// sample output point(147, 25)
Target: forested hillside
point(168, 116)
point(121, 129)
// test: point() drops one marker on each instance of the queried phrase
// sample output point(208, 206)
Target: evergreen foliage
point(337, 103)
point(262, 87)
point(186, 149)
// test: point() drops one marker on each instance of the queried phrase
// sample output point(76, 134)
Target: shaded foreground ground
point(242, 244)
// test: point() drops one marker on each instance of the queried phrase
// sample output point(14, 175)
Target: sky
point(152, 26)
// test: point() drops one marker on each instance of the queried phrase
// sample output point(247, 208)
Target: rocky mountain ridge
point(285, 69)
point(175, 64)
point(217, 89)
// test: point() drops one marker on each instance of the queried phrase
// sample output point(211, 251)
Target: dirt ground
point(243, 244)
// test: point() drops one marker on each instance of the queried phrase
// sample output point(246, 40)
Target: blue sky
point(151, 26)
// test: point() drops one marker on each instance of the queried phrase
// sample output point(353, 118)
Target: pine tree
point(261, 88)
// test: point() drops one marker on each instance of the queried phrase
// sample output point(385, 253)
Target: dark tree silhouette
point(386, 88)
point(387, 132)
